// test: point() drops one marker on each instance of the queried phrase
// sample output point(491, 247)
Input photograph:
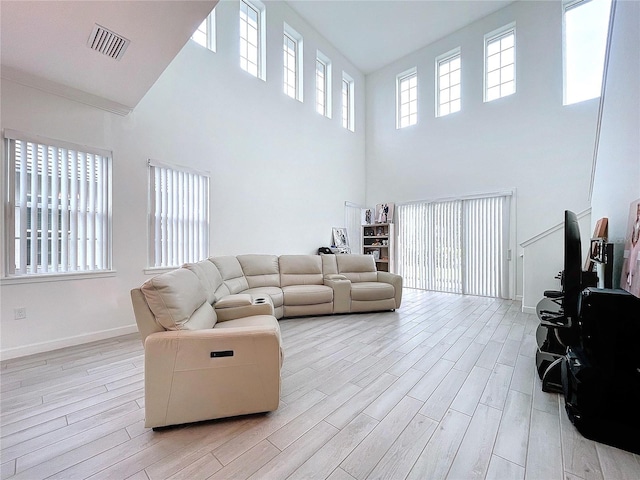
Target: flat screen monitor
point(572, 277)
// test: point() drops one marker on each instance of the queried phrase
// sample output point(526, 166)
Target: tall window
point(407, 98)
point(448, 67)
point(323, 85)
point(500, 63)
point(252, 38)
point(586, 24)
point(59, 215)
point(458, 246)
point(179, 216)
point(292, 63)
point(347, 102)
point(205, 35)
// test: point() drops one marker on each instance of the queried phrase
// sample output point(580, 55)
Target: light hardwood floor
point(445, 387)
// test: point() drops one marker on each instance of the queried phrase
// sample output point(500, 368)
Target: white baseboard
point(529, 310)
point(41, 347)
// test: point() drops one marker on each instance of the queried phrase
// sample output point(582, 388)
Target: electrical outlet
point(20, 313)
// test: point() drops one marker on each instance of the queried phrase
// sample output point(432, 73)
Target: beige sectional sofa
point(308, 284)
point(210, 331)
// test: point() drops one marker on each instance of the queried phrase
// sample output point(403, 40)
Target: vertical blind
point(353, 224)
point(179, 216)
point(457, 246)
point(61, 199)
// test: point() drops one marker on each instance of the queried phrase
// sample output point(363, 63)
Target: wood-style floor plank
point(444, 387)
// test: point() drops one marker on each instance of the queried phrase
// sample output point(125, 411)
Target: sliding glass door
point(457, 246)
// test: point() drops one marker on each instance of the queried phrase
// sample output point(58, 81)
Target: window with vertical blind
point(59, 207)
point(353, 224)
point(458, 246)
point(178, 215)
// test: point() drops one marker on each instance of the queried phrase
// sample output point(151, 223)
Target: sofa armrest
point(341, 292)
point(213, 373)
point(334, 276)
point(396, 281)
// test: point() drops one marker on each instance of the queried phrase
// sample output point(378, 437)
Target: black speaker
point(610, 329)
point(603, 405)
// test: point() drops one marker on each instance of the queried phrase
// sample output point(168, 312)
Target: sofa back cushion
point(231, 272)
point(209, 277)
point(260, 270)
point(300, 270)
point(178, 301)
point(357, 268)
point(329, 264)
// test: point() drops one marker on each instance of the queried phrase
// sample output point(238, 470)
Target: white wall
point(539, 276)
point(528, 141)
point(280, 173)
point(617, 173)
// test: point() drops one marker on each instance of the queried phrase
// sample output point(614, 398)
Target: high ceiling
point(374, 33)
point(44, 43)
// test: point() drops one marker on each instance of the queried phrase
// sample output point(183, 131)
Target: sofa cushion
point(178, 301)
point(372, 291)
point(307, 294)
point(300, 270)
point(357, 268)
point(209, 277)
point(260, 270)
point(231, 273)
point(329, 264)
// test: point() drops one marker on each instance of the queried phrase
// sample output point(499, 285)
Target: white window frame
point(208, 29)
point(324, 93)
point(448, 58)
point(404, 103)
point(178, 214)
point(348, 105)
point(489, 39)
point(293, 38)
point(80, 234)
point(568, 5)
point(260, 60)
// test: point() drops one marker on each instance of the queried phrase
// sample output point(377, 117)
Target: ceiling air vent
point(107, 42)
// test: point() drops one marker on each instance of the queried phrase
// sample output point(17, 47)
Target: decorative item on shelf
point(380, 231)
point(376, 255)
point(376, 243)
point(384, 212)
point(600, 231)
point(367, 216)
point(340, 239)
point(630, 279)
point(385, 242)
